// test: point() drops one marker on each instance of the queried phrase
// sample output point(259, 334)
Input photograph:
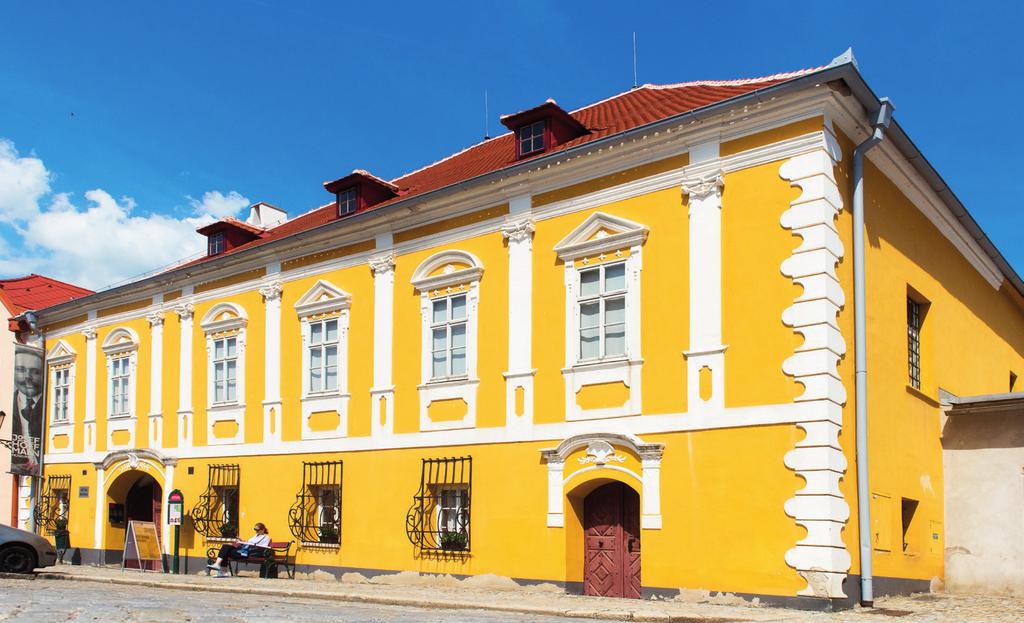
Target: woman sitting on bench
point(238, 549)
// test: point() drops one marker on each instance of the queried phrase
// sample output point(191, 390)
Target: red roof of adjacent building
point(36, 292)
point(634, 108)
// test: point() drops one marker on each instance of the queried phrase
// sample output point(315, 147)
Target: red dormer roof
point(561, 126)
point(230, 222)
point(36, 292)
point(637, 107)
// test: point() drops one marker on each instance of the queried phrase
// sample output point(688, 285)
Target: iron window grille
point(216, 514)
point(54, 507)
point(914, 342)
point(439, 518)
point(315, 517)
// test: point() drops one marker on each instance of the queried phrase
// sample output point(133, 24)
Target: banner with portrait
point(27, 411)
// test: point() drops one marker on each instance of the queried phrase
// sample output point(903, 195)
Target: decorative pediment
point(120, 340)
point(601, 448)
point(223, 317)
point(447, 268)
point(601, 233)
point(61, 353)
point(322, 298)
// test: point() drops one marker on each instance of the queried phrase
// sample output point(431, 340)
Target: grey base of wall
point(192, 565)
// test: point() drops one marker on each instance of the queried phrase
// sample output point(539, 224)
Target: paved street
point(56, 600)
point(24, 600)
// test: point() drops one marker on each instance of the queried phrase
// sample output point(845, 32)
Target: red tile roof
point(36, 292)
point(625, 111)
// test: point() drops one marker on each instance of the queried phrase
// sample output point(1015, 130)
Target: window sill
point(225, 406)
point(913, 391)
point(54, 424)
point(324, 395)
point(451, 381)
point(120, 416)
point(601, 364)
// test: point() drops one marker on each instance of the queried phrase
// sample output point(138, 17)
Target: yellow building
point(611, 349)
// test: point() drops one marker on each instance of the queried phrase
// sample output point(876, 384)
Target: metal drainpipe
point(881, 123)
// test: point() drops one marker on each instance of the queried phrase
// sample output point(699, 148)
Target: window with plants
point(315, 517)
point(439, 518)
point(216, 514)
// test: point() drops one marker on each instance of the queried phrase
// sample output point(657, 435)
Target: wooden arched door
point(611, 533)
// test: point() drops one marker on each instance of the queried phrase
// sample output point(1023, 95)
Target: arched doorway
point(144, 502)
point(611, 549)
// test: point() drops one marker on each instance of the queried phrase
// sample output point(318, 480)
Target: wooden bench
point(268, 558)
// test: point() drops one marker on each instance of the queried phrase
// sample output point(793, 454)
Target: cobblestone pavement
point(99, 594)
point(52, 601)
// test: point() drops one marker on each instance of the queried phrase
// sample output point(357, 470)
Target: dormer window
point(347, 201)
point(531, 138)
point(542, 128)
point(215, 243)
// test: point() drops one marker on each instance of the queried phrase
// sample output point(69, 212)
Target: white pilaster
point(272, 360)
point(89, 422)
point(821, 557)
point(156, 376)
point(101, 510)
point(166, 530)
point(25, 507)
point(519, 234)
point(556, 510)
point(382, 394)
point(704, 188)
point(186, 422)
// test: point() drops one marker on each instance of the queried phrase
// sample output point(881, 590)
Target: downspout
point(881, 123)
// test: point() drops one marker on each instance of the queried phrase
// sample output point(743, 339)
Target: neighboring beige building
point(983, 455)
point(17, 296)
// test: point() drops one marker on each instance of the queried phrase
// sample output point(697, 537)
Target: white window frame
point(461, 497)
point(122, 343)
point(224, 361)
point(215, 245)
point(448, 324)
point(225, 320)
point(448, 273)
point(61, 358)
point(324, 301)
point(601, 299)
point(353, 200)
point(602, 239)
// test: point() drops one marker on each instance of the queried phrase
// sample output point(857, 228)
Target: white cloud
point(97, 244)
point(23, 182)
point(219, 205)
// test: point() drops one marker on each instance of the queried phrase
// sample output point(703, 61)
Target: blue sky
point(124, 125)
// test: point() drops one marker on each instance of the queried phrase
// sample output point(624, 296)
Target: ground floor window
point(54, 507)
point(439, 518)
point(315, 517)
point(217, 512)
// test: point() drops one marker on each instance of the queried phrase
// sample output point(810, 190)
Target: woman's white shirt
point(260, 540)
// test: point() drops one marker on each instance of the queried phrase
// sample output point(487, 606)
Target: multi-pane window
point(914, 342)
point(448, 336)
point(120, 375)
point(452, 508)
point(315, 517)
point(215, 243)
point(225, 369)
point(602, 305)
point(323, 356)
point(54, 505)
point(531, 138)
point(347, 200)
point(61, 393)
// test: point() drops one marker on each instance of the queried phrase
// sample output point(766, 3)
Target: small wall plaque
point(83, 492)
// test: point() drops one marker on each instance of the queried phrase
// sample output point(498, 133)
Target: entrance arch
point(611, 534)
point(139, 496)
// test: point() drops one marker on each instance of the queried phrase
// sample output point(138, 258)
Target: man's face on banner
point(28, 374)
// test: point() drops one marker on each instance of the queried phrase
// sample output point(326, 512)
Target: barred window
point(54, 507)
point(315, 517)
point(61, 393)
point(914, 342)
point(225, 369)
point(120, 375)
point(323, 355)
point(439, 518)
point(216, 514)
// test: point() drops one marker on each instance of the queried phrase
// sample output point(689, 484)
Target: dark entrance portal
point(144, 502)
point(611, 532)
